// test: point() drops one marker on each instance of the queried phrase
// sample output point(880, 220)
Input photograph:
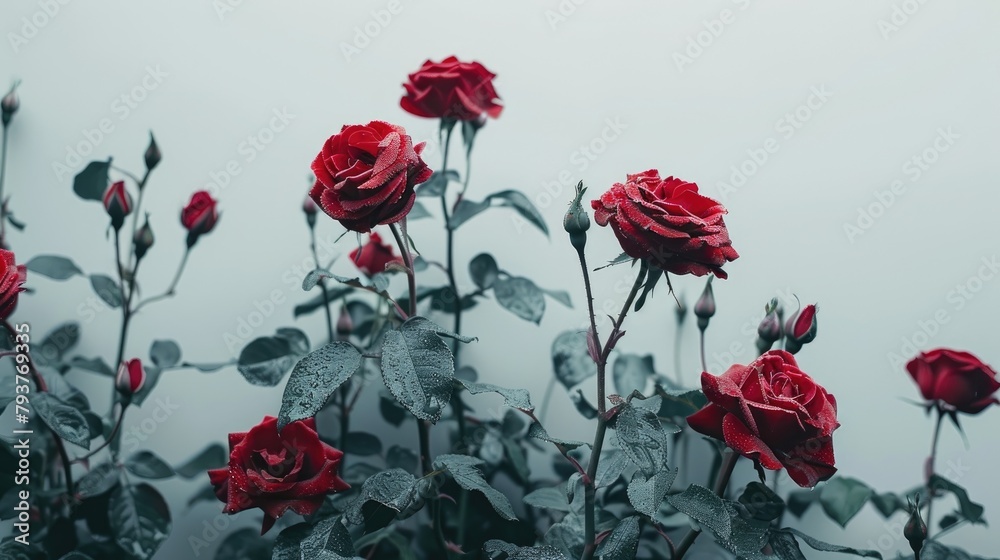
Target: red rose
point(372, 257)
point(365, 175)
point(773, 413)
point(131, 377)
point(957, 379)
point(276, 471)
point(117, 203)
point(12, 277)
point(451, 89)
point(667, 222)
point(199, 216)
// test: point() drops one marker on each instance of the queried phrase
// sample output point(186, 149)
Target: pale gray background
point(892, 90)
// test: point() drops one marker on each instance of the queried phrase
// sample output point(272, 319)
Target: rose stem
point(721, 481)
point(3, 171)
point(590, 489)
point(138, 205)
point(702, 344)
point(930, 465)
point(173, 284)
point(127, 313)
point(44, 388)
point(345, 388)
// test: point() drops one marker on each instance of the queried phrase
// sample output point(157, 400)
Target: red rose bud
point(152, 155)
point(915, 530)
point(345, 325)
point(199, 216)
point(704, 308)
point(773, 413)
point(452, 89)
point(954, 379)
point(372, 257)
point(118, 204)
point(310, 209)
point(130, 379)
point(769, 329)
point(9, 104)
point(576, 222)
point(366, 175)
point(12, 277)
point(143, 239)
point(667, 222)
point(800, 328)
point(278, 471)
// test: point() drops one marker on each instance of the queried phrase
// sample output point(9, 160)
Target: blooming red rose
point(131, 377)
point(957, 379)
point(199, 216)
point(667, 222)
point(372, 257)
point(773, 413)
point(366, 174)
point(277, 471)
point(12, 277)
point(451, 89)
point(117, 203)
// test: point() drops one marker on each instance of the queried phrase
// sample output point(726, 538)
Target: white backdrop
point(878, 116)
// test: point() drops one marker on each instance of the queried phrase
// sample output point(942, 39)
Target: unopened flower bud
point(800, 328)
point(915, 530)
point(704, 308)
point(118, 204)
point(345, 325)
point(310, 209)
point(130, 379)
point(576, 222)
point(152, 155)
point(681, 310)
point(769, 329)
point(9, 104)
point(143, 239)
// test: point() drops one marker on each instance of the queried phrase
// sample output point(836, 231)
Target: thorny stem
point(719, 488)
point(590, 490)
point(138, 205)
point(44, 388)
point(3, 203)
point(173, 284)
point(701, 336)
point(930, 465)
point(110, 438)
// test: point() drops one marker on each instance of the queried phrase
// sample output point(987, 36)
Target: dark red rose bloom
point(276, 471)
point(451, 89)
point(957, 379)
point(199, 216)
point(372, 257)
point(131, 377)
point(117, 203)
point(12, 277)
point(667, 222)
point(772, 412)
point(366, 174)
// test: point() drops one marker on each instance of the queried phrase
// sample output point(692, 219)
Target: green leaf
point(205, 368)
point(96, 365)
point(165, 353)
point(140, 519)
point(642, 438)
point(437, 183)
point(315, 378)
point(267, 359)
point(632, 372)
point(552, 497)
point(514, 398)
point(288, 545)
point(647, 493)
point(107, 289)
point(623, 541)
point(363, 444)
point(784, 546)
point(393, 489)
point(800, 500)
point(68, 422)
point(317, 302)
point(464, 469)
point(560, 296)
point(147, 464)
point(571, 362)
point(56, 343)
point(465, 210)
point(423, 323)
point(514, 552)
point(214, 456)
point(244, 544)
point(826, 547)
point(521, 297)
point(610, 468)
point(484, 270)
point(53, 266)
point(99, 480)
point(761, 502)
point(536, 431)
point(523, 206)
point(391, 411)
point(401, 458)
point(93, 181)
point(970, 510)
point(418, 368)
point(702, 505)
point(328, 540)
point(652, 277)
point(842, 498)
point(936, 551)
point(680, 404)
point(418, 212)
point(70, 556)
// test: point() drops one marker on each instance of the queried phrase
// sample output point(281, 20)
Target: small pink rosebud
point(310, 209)
point(143, 239)
point(199, 216)
point(118, 204)
point(9, 104)
point(130, 379)
point(152, 156)
point(704, 308)
point(345, 325)
point(769, 329)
